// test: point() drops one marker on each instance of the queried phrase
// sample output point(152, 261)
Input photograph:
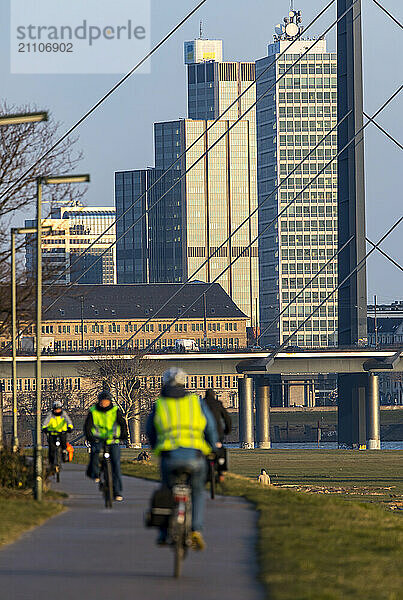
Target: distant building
point(292, 118)
point(198, 215)
point(111, 314)
point(74, 229)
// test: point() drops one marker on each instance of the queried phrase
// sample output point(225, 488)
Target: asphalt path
point(90, 553)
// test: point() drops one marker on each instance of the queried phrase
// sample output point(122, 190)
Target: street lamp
point(14, 232)
point(47, 180)
point(20, 118)
point(17, 119)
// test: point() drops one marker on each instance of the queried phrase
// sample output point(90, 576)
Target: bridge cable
point(106, 96)
point(384, 131)
point(392, 260)
point(172, 165)
point(301, 291)
point(99, 257)
point(274, 220)
point(388, 13)
point(356, 268)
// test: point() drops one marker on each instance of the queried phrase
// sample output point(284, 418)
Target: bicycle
point(171, 511)
point(180, 522)
point(212, 473)
point(56, 465)
point(217, 464)
point(106, 481)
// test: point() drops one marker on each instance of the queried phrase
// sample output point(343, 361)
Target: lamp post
point(48, 180)
point(14, 232)
point(17, 119)
point(21, 118)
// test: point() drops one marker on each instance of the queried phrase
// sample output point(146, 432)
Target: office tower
point(213, 198)
point(151, 250)
point(213, 85)
point(291, 119)
point(74, 228)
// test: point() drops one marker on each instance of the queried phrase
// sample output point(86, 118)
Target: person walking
point(105, 422)
point(182, 431)
point(220, 414)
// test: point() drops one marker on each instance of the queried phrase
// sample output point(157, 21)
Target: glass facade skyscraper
point(151, 250)
point(214, 197)
point(291, 119)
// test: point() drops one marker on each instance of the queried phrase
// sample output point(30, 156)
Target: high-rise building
point(213, 198)
point(291, 119)
point(151, 250)
point(74, 228)
point(214, 85)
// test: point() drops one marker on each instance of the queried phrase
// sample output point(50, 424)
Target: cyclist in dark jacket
point(105, 422)
point(220, 414)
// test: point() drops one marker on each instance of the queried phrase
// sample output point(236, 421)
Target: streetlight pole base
point(38, 484)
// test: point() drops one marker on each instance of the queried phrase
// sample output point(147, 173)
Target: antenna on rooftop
point(201, 30)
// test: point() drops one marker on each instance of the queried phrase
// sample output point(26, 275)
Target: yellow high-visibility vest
point(180, 423)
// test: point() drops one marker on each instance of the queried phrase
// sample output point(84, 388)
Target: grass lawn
point(375, 476)
point(315, 546)
point(20, 512)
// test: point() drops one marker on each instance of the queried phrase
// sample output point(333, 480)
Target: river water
point(322, 446)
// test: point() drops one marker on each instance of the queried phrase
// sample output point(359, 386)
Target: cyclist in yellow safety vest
point(56, 424)
point(105, 422)
point(182, 431)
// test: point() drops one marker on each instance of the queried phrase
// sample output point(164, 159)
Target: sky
point(119, 135)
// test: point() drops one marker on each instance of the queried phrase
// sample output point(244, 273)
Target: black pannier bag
point(162, 504)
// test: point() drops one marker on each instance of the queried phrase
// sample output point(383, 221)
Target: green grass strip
point(20, 512)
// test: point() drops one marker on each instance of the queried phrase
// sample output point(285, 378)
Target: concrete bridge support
point(358, 411)
point(352, 410)
point(373, 414)
point(262, 400)
point(245, 391)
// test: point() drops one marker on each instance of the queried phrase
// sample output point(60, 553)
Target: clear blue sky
point(119, 135)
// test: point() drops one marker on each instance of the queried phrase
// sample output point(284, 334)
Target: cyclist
point(105, 422)
point(56, 424)
point(220, 414)
point(182, 431)
point(222, 419)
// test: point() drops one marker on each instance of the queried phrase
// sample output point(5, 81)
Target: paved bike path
point(92, 553)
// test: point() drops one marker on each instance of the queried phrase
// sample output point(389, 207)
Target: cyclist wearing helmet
point(56, 424)
point(105, 422)
point(182, 431)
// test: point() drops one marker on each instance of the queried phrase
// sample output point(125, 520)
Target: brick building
point(104, 317)
point(93, 318)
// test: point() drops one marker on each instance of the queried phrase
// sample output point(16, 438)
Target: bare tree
point(20, 147)
point(133, 384)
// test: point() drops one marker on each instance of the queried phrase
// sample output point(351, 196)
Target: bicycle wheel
point(178, 556)
point(108, 484)
point(58, 464)
point(212, 480)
